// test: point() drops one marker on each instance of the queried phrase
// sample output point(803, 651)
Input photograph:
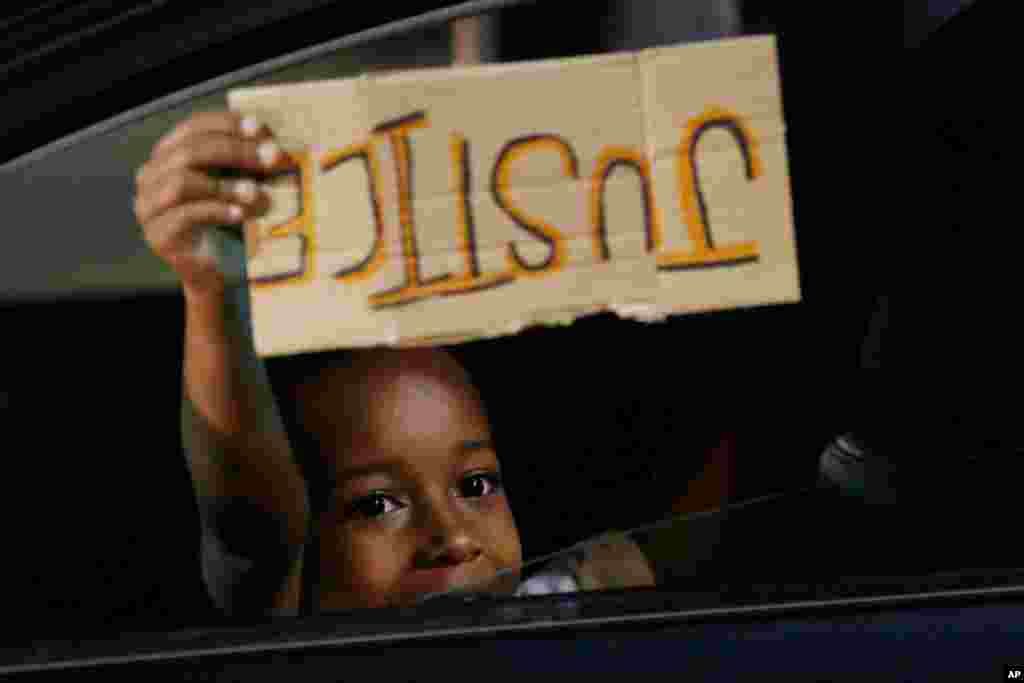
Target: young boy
point(418, 504)
point(408, 494)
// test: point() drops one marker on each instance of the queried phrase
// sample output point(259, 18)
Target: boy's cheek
point(507, 550)
point(365, 570)
point(504, 585)
point(495, 507)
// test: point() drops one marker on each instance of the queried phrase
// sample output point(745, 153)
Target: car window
point(731, 456)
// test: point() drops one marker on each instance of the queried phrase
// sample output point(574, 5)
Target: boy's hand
point(179, 200)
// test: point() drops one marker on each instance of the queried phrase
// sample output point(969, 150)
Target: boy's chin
point(503, 585)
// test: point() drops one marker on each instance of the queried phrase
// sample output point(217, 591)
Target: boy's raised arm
point(251, 494)
point(250, 490)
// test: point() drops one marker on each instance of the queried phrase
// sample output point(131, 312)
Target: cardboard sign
point(445, 205)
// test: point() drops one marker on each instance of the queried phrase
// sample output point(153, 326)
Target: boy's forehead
point(376, 370)
point(394, 394)
point(366, 387)
point(404, 419)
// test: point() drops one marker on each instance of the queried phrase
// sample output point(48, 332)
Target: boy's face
point(418, 505)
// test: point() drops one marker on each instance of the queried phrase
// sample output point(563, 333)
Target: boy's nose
point(450, 541)
point(455, 550)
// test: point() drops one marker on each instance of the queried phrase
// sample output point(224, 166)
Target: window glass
point(730, 456)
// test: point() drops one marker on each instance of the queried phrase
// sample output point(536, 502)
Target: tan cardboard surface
point(453, 204)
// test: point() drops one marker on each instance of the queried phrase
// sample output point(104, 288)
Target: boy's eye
point(374, 505)
point(477, 485)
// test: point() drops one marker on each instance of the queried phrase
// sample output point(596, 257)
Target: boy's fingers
point(177, 230)
point(213, 150)
point(191, 186)
point(204, 123)
point(176, 189)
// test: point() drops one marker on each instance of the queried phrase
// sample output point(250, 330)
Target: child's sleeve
point(557, 577)
point(610, 561)
point(248, 563)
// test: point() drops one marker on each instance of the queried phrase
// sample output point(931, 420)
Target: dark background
point(101, 532)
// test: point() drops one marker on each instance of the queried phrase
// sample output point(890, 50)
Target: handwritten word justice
point(401, 133)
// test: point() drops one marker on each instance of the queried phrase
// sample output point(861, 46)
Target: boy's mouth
point(438, 579)
point(497, 584)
